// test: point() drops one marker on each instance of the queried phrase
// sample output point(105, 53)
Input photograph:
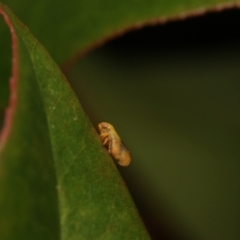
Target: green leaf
point(68, 27)
point(54, 171)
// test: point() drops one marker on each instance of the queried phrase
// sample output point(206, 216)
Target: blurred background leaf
point(68, 27)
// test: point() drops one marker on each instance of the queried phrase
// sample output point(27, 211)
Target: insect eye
point(104, 125)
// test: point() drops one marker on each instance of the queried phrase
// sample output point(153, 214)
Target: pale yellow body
point(112, 141)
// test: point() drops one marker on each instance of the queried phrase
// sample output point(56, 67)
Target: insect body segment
point(112, 141)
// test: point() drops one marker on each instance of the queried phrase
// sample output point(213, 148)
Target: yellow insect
point(112, 141)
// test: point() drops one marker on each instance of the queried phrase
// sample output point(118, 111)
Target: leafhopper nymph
point(113, 142)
